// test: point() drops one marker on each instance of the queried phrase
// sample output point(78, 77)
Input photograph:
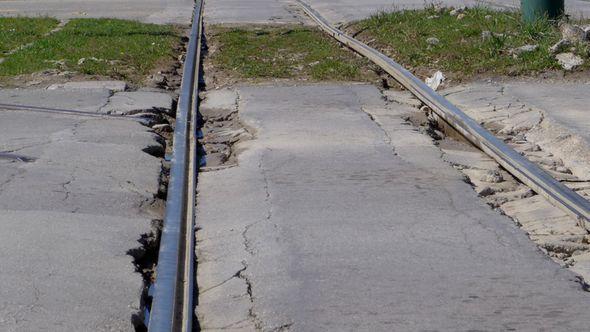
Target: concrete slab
point(351, 10)
point(127, 103)
point(220, 99)
point(340, 216)
point(286, 11)
point(84, 100)
point(567, 103)
point(553, 115)
point(74, 196)
point(95, 98)
point(149, 11)
point(65, 271)
point(252, 12)
point(113, 86)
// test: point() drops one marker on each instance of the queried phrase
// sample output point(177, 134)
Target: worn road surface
point(552, 114)
point(566, 103)
point(149, 11)
point(340, 216)
point(74, 196)
point(282, 11)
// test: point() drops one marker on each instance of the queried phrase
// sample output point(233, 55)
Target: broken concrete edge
point(570, 147)
point(565, 252)
point(543, 132)
point(144, 260)
point(222, 129)
point(130, 103)
point(145, 255)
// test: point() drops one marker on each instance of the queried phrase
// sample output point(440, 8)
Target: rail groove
point(519, 166)
point(172, 305)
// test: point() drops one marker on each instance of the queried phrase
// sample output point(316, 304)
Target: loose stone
point(572, 33)
point(524, 49)
point(433, 41)
point(569, 61)
point(457, 11)
point(492, 177)
point(560, 46)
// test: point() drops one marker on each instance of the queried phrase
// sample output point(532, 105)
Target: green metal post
point(533, 10)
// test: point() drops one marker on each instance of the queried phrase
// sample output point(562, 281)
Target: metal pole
point(534, 10)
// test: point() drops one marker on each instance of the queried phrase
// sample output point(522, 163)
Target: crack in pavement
point(247, 242)
point(248, 247)
point(388, 139)
point(251, 313)
point(64, 185)
point(235, 275)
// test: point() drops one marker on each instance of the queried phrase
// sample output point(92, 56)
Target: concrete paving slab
point(286, 11)
point(220, 99)
point(343, 217)
point(567, 103)
point(552, 115)
point(113, 86)
point(252, 12)
point(127, 103)
point(351, 10)
point(74, 196)
point(149, 11)
point(66, 271)
point(84, 100)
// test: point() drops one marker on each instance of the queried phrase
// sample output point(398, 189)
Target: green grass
point(108, 47)
point(18, 31)
point(287, 53)
point(462, 52)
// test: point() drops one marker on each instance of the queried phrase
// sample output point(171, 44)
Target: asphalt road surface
point(150, 11)
point(234, 11)
point(283, 11)
point(74, 196)
point(340, 216)
point(335, 221)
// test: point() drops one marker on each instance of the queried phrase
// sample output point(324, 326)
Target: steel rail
point(520, 167)
point(172, 305)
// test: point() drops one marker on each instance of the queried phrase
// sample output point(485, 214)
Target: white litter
point(435, 81)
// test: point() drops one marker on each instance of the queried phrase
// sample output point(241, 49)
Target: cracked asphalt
point(341, 216)
point(286, 11)
point(75, 196)
point(149, 11)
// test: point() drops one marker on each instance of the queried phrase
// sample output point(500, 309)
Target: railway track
point(172, 306)
point(519, 166)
